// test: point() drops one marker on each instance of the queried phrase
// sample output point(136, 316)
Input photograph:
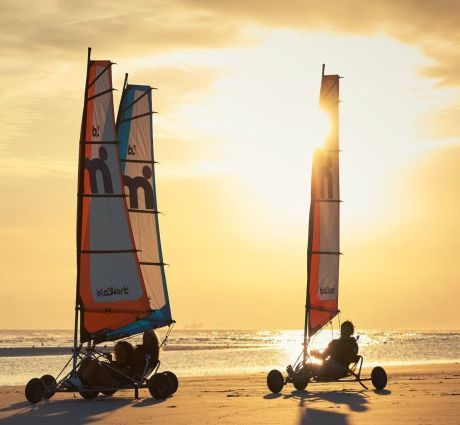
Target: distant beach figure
point(338, 355)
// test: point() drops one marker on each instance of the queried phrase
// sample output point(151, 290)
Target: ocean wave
point(57, 351)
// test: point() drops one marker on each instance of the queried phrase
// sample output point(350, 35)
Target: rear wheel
point(379, 378)
point(89, 395)
point(35, 390)
point(109, 393)
point(50, 386)
point(174, 381)
point(275, 381)
point(160, 386)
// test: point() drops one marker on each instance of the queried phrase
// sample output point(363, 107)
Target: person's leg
point(87, 371)
point(313, 368)
point(333, 370)
point(83, 365)
point(94, 374)
point(102, 376)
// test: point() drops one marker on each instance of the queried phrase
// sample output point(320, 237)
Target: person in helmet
point(338, 355)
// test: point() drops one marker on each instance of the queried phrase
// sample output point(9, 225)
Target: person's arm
point(354, 351)
point(322, 355)
point(327, 352)
point(315, 353)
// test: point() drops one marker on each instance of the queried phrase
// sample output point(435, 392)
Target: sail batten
point(135, 117)
point(324, 223)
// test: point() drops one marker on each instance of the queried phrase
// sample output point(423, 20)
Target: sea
point(25, 354)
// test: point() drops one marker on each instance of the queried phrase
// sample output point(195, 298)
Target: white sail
point(135, 132)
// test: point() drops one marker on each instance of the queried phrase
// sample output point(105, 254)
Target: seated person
point(95, 373)
point(146, 355)
point(338, 355)
point(124, 355)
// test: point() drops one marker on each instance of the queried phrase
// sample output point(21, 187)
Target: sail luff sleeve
point(307, 329)
point(80, 175)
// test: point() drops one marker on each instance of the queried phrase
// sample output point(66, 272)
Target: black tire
point(109, 393)
point(301, 378)
point(300, 382)
point(275, 381)
point(35, 390)
point(50, 386)
point(160, 386)
point(174, 381)
point(379, 378)
point(89, 395)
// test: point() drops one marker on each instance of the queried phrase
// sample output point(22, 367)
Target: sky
point(236, 128)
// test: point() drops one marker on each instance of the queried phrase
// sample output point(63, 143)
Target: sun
point(320, 127)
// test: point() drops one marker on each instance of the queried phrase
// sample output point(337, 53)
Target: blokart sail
point(323, 255)
point(111, 297)
point(324, 223)
point(110, 290)
point(135, 136)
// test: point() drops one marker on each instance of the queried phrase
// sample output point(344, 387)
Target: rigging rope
point(170, 327)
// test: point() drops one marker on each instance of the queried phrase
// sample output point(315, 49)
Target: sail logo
point(140, 182)
point(111, 291)
point(327, 292)
point(132, 150)
point(98, 166)
point(95, 131)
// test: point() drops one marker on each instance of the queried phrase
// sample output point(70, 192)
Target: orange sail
point(110, 289)
point(324, 224)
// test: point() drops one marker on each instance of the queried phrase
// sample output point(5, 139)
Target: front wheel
point(50, 386)
point(275, 381)
point(379, 378)
point(35, 390)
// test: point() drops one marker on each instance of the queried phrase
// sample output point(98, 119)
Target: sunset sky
point(235, 133)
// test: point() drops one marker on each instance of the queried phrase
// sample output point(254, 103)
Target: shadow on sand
point(356, 401)
point(70, 410)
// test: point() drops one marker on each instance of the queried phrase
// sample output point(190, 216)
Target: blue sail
point(135, 142)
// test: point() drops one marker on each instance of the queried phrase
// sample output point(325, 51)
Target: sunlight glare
point(320, 125)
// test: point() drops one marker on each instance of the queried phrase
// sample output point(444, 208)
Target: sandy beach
point(427, 394)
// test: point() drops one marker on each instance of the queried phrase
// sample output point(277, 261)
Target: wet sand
point(428, 394)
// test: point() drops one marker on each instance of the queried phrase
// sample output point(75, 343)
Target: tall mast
point(81, 158)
